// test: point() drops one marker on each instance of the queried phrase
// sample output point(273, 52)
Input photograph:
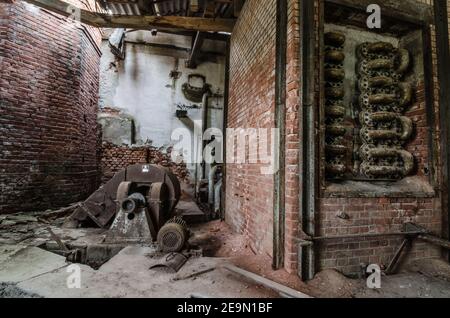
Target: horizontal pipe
point(365, 235)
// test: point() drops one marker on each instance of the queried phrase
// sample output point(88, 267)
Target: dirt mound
point(332, 284)
point(437, 268)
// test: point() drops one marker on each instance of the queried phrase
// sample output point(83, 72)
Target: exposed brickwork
point(249, 194)
point(293, 85)
point(48, 107)
point(116, 158)
point(249, 197)
point(381, 215)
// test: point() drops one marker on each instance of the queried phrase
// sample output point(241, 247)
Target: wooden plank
point(199, 38)
point(284, 291)
point(145, 22)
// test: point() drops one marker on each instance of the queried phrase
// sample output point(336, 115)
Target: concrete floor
point(27, 270)
point(36, 272)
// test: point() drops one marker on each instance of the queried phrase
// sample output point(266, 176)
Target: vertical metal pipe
point(307, 196)
point(225, 126)
point(443, 62)
point(280, 124)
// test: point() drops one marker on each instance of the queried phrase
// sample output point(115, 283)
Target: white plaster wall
point(141, 86)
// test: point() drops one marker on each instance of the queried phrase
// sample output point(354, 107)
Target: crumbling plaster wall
point(141, 88)
point(48, 106)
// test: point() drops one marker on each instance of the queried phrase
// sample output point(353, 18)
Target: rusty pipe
point(408, 161)
point(335, 111)
point(336, 39)
point(402, 61)
point(373, 48)
point(383, 170)
point(371, 118)
point(335, 169)
point(336, 130)
point(372, 135)
point(372, 82)
point(378, 64)
point(368, 153)
point(383, 99)
point(407, 128)
point(378, 171)
point(379, 47)
point(334, 75)
point(334, 56)
point(335, 92)
point(386, 134)
point(405, 94)
point(336, 149)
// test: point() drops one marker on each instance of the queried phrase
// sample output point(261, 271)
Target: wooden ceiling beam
point(209, 12)
point(144, 22)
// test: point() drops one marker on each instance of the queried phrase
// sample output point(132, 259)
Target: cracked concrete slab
point(128, 275)
point(20, 263)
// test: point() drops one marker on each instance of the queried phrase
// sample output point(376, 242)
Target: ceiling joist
point(141, 22)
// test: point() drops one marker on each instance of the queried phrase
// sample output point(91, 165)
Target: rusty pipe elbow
point(406, 93)
point(407, 128)
point(402, 61)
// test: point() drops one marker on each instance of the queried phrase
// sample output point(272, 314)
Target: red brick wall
point(116, 158)
point(383, 215)
point(48, 108)
point(249, 194)
point(293, 85)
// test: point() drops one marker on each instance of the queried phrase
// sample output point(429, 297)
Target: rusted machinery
point(383, 100)
point(335, 109)
point(137, 205)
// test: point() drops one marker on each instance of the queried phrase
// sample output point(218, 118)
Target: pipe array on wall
point(383, 99)
point(335, 110)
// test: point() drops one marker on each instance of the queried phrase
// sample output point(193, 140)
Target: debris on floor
point(34, 263)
